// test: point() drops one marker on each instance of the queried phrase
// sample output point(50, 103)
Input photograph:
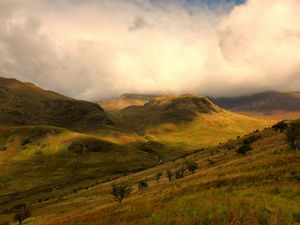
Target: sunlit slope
point(126, 100)
point(35, 160)
point(259, 188)
point(189, 121)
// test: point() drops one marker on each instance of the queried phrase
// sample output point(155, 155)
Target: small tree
point(191, 166)
point(22, 214)
point(120, 191)
point(244, 149)
point(158, 175)
point(142, 185)
point(179, 173)
point(293, 136)
point(169, 175)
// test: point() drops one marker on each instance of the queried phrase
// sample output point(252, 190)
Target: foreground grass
point(259, 188)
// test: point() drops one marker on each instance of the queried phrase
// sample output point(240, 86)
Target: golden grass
point(257, 189)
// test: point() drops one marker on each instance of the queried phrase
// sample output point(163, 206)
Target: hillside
point(268, 103)
point(26, 104)
point(188, 121)
point(126, 100)
point(35, 160)
point(259, 188)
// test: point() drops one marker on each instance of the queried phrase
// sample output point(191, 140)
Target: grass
point(259, 188)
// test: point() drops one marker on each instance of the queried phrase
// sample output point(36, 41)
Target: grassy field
point(261, 187)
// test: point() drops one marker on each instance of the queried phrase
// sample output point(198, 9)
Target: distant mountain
point(264, 102)
point(126, 100)
point(26, 104)
point(167, 109)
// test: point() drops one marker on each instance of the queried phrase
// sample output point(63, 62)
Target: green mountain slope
point(259, 188)
point(26, 104)
point(188, 121)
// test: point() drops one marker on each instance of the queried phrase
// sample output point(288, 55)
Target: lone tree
point(142, 185)
point(293, 136)
point(244, 149)
point(22, 214)
point(120, 191)
point(158, 175)
point(191, 166)
point(169, 175)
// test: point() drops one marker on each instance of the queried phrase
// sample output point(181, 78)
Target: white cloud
point(95, 49)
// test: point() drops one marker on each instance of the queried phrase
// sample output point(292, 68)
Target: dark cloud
point(139, 23)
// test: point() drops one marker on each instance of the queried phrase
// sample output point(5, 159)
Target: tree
point(120, 191)
point(244, 149)
point(281, 126)
point(158, 175)
point(293, 136)
point(22, 214)
point(191, 166)
point(179, 173)
point(142, 185)
point(169, 175)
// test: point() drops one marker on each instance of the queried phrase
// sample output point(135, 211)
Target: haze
point(97, 49)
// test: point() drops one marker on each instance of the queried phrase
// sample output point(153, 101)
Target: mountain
point(126, 100)
point(188, 121)
point(265, 102)
point(259, 188)
point(26, 104)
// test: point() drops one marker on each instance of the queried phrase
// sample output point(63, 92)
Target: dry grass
point(257, 189)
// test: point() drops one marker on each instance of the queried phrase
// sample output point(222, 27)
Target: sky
point(96, 49)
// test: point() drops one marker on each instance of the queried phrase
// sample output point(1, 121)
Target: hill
point(259, 188)
point(268, 103)
point(126, 100)
point(188, 121)
point(26, 104)
point(39, 161)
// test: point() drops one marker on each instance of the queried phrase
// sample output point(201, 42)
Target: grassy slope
point(26, 104)
point(259, 188)
point(189, 122)
point(35, 160)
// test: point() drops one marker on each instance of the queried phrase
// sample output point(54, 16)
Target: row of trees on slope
point(120, 191)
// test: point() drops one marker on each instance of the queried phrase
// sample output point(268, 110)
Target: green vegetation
point(293, 136)
point(142, 185)
point(120, 192)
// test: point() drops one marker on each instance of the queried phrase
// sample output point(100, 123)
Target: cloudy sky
point(93, 49)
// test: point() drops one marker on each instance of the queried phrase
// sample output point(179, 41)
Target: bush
point(142, 185)
point(179, 173)
point(169, 175)
point(244, 149)
point(120, 191)
point(293, 136)
point(158, 175)
point(25, 141)
point(22, 215)
point(191, 166)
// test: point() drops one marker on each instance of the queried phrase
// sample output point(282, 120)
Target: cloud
point(87, 50)
point(139, 23)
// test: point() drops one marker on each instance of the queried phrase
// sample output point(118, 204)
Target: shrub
point(120, 192)
point(22, 214)
point(179, 173)
point(142, 185)
point(169, 175)
point(191, 166)
point(244, 149)
point(293, 136)
point(25, 141)
point(158, 175)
